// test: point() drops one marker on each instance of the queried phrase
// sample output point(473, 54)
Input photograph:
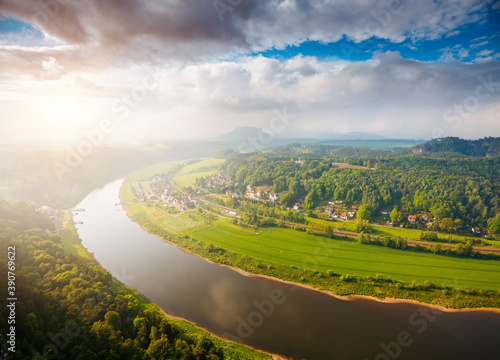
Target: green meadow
point(294, 248)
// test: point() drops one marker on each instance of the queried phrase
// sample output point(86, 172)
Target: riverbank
point(72, 245)
point(379, 288)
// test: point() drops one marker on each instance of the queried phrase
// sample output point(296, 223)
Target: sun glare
point(61, 111)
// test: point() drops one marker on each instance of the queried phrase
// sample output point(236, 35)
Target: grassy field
point(70, 240)
point(348, 166)
point(186, 177)
point(188, 180)
point(153, 212)
point(202, 166)
point(293, 248)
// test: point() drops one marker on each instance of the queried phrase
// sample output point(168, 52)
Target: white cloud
point(482, 43)
point(389, 94)
point(454, 54)
point(484, 52)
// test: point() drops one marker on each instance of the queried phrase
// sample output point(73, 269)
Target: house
point(384, 212)
point(329, 210)
point(424, 217)
point(235, 196)
point(250, 193)
point(476, 230)
point(300, 161)
point(234, 213)
point(354, 207)
point(296, 206)
point(412, 219)
point(351, 214)
point(273, 197)
point(344, 216)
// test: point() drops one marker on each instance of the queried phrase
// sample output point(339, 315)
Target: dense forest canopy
point(488, 146)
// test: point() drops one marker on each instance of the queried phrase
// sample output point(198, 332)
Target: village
point(160, 188)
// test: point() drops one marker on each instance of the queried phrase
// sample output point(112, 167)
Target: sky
point(129, 70)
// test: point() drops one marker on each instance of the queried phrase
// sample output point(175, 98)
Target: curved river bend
point(271, 315)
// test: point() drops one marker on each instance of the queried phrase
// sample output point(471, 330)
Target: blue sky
point(474, 38)
point(399, 68)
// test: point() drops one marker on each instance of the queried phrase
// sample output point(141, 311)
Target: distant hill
point(381, 144)
point(358, 135)
point(236, 137)
point(489, 146)
point(239, 134)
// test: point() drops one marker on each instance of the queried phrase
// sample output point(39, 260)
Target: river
point(270, 315)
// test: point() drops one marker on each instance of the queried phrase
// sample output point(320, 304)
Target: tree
point(401, 243)
point(458, 223)
point(494, 225)
point(328, 231)
point(465, 250)
point(159, 349)
point(447, 224)
point(279, 184)
point(436, 248)
point(113, 319)
point(363, 238)
point(363, 226)
point(396, 216)
point(287, 199)
point(363, 213)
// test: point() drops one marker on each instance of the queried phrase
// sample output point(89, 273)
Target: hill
point(489, 146)
point(239, 134)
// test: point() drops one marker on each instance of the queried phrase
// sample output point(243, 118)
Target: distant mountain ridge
point(488, 146)
point(242, 133)
point(239, 134)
